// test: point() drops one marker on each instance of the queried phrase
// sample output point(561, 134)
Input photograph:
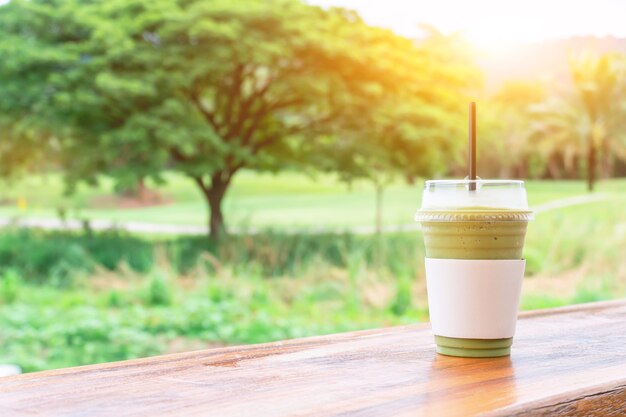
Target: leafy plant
point(159, 290)
point(10, 283)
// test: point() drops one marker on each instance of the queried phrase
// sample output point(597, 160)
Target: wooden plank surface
point(569, 361)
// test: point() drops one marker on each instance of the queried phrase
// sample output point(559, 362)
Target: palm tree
point(590, 119)
point(558, 132)
point(505, 138)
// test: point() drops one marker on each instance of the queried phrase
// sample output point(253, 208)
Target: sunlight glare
point(493, 24)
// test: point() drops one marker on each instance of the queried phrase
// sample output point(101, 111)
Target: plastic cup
point(474, 238)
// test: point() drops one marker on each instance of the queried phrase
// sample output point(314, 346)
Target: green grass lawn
point(259, 200)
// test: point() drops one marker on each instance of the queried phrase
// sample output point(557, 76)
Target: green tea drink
point(474, 232)
point(490, 234)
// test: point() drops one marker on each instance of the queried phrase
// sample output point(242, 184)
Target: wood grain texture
point(569, 362)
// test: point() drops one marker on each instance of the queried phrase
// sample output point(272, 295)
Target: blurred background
point(184, 174)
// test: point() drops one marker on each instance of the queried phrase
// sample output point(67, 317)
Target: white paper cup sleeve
point(474, 299)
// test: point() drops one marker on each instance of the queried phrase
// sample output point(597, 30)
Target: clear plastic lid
point(474, 200)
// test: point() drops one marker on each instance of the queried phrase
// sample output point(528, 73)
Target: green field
point(258, 200)
point(72, 298)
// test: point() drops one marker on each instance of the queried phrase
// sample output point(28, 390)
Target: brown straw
point(472, 145)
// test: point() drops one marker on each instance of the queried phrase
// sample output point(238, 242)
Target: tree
point(205, 88)
point(601, 85)
point(417, 131)
point(504, 149)
point(591, 119)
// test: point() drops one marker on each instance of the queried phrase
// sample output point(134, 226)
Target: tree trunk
point(591, 164)
point(379, 254)
point(379, 209)
point(607, 160)
point(141, 189)
point(214, 194)
point(216, 217)
point(554, 170)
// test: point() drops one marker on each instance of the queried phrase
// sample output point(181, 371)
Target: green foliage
point(112, 248)
point(404, 272)
point(538, 302)
point(595, 288)
point(56, 256)
point(10, 283)
point(403, 299)
point(51, 337)
point(159, 291)
point(41, 331)
point(60, 256)
point(36, 257)
point(411, 133)
point(116, 299)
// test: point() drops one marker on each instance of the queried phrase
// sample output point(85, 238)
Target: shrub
point(10, 283)
point(57, 256)
point(159, 291)
point(40, 256)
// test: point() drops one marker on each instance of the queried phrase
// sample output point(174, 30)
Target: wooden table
point(569, 361)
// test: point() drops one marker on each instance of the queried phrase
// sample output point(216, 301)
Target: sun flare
point(491, 24)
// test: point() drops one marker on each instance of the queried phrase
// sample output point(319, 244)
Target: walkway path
point(179, 229)
point(571, 201)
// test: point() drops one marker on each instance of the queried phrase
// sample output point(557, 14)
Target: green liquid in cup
point(475, 233)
